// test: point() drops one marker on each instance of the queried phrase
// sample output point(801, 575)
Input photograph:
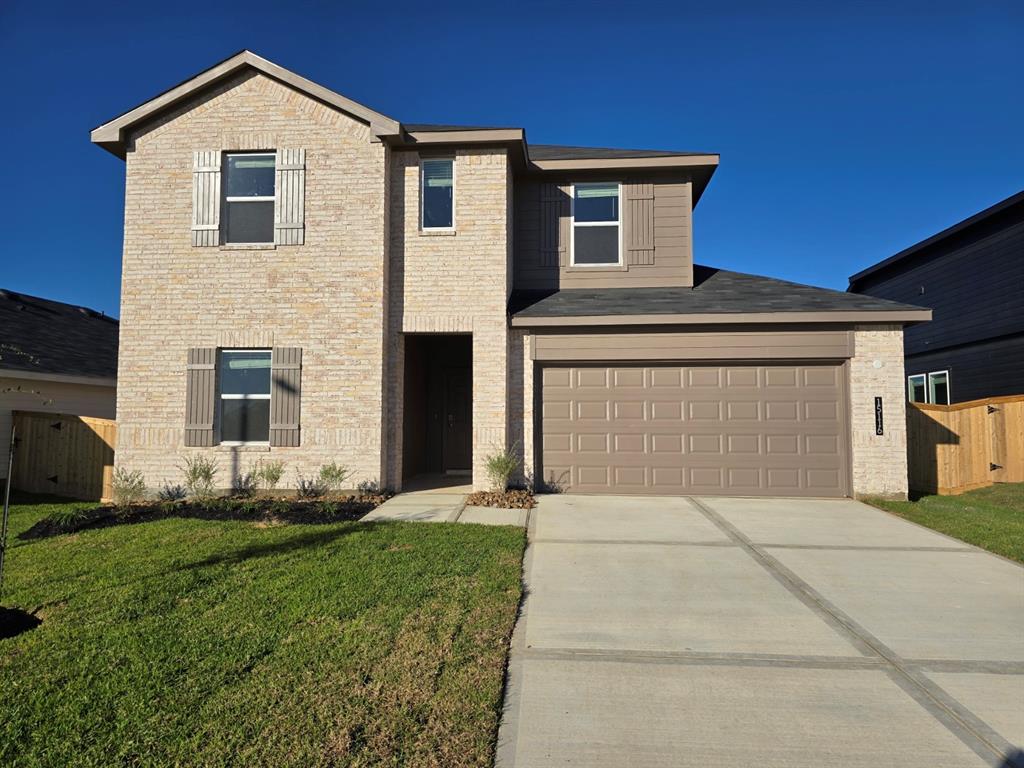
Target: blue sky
point(847, 131)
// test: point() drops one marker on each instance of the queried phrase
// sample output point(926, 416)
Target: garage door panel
point(755, 430)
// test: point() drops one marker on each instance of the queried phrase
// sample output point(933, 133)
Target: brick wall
point(326, 296)
point(879, 461)
point(453, 282)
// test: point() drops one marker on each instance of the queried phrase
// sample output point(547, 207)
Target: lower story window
point(930, 388)
point(244, 396)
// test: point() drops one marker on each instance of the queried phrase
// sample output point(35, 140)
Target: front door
point(457, 429)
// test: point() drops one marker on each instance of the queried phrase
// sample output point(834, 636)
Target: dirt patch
point(514, 499)
point(258, 510)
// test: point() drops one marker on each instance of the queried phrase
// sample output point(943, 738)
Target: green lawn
point(202, 643)
point(991, 518)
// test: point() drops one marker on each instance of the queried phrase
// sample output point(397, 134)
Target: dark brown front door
point(457, 429)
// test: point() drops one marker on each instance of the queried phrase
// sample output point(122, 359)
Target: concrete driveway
point(740, 632)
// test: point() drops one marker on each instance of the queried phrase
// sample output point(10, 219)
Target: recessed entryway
point(437, 429)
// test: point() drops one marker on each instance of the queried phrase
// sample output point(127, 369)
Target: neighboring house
point(972, 277)
point(309, 280)
point(56, 358)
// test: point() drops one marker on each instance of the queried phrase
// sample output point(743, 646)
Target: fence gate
point(64, 455)
point(954, 448)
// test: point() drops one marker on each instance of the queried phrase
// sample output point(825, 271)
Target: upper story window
point(249, 198)
point(437, 193)
point(244, 378)
point(596, 224)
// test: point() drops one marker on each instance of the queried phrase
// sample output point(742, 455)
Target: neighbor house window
point(596, 224)
point(938, 387)
point(917, 388)
point(244, 396)
point(249, 198)
point(437, 193)
point(930, 388)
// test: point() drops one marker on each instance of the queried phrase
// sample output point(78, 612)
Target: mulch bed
point(271, 511)
point(514, 499)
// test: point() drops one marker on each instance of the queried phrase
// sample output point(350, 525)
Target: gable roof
point(112, 134)
point(46, 338)
point(717, 296)
point(945, 234)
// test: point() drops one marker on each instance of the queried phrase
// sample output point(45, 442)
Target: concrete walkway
point(791, 633)
point(443, 505)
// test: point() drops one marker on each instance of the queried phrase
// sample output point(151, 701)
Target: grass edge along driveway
point(202, 643)
point(991, 518)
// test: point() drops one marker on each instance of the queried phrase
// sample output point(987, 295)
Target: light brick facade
point(326, 296)
point(453, 282)
point(876, 370)
point(366, 278)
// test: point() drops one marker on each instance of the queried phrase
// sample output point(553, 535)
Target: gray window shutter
point(289, 209)
point(206, 197)
point(285, 396)
point(554, 225)
point(200, 396)
point(638, 221)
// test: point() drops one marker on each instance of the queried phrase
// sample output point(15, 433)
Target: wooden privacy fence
point(64, 455)
point(954, 448)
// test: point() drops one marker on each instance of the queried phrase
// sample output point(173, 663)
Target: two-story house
point(307, 279)
point(974, 346)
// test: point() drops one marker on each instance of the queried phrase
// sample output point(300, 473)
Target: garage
point(703, 428)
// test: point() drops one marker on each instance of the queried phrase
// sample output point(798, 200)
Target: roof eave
point(113, 134)
point(903, 316)
point(627, 163)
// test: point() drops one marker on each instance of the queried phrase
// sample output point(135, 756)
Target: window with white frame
point(437, 193)
point(938, 387)
point(244, 396)
point(932, 388)
point(917, 388)
point(596, 224)
point(249, 197)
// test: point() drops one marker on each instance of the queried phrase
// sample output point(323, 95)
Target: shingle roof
point(49, 337)
point(917, 248)
point(562, 152)
point(715, 291)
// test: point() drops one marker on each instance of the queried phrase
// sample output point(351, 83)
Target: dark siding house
point(972, 277)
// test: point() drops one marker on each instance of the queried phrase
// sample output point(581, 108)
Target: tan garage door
point(751, 430)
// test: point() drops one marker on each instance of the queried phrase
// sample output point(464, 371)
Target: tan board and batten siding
point(656, 239)
point(736, 429)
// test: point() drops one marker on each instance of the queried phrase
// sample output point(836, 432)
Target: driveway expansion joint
point(964, 724)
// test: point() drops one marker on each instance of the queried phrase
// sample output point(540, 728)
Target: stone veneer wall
point(453, 282)
point(326, 296)
point(879, 461)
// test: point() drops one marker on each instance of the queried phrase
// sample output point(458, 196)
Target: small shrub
point(327, 508)
point(128, 487)
point(310, 488)
point(249, 507)
point(171, 493)
point(244, 486)
point(66, 516)
point(269, 473)
point(368, 488)
point(501, 465)
point(218, 504)
point(279, 508)
point(333, 476)
point(200, 473)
